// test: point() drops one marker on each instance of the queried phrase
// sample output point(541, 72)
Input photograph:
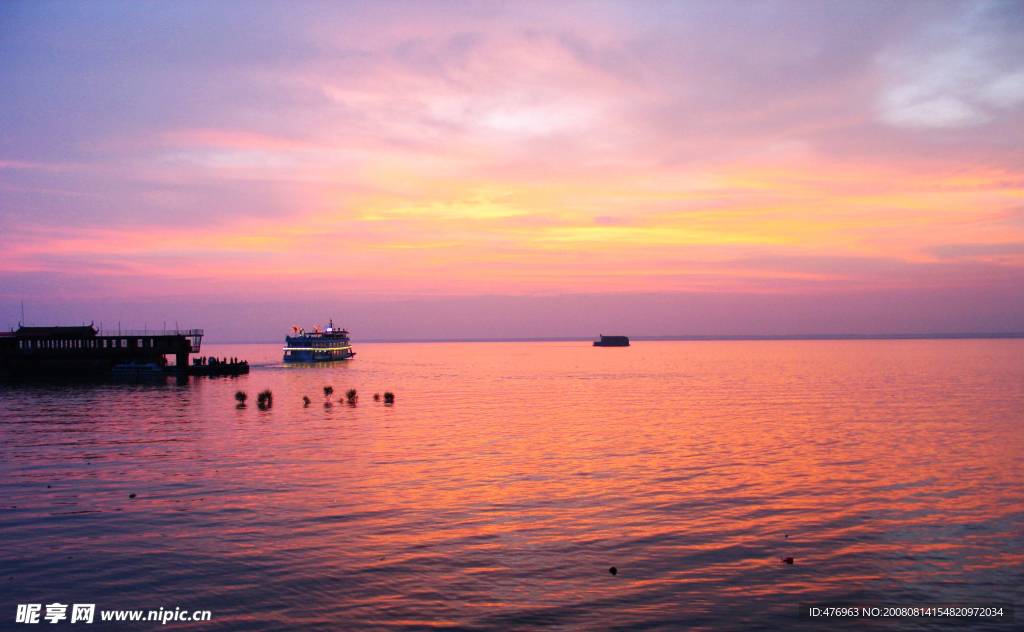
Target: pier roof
point(60, 332)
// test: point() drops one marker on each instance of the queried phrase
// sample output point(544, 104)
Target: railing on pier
point(150, 332)
point(195, 336)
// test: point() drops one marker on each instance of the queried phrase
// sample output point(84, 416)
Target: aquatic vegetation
point(305, 401)
point(265, 399)
point(351, 396)
point(328, 394)
point(240, 397)
point(389, 397)
point(376, 397)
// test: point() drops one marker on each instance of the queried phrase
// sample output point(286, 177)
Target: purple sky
point(473, 170)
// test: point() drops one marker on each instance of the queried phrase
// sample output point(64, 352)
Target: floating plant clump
point(265, 399)
point(240, 397)
point(352, 396)
point(305, 401)
point(328, 394)
point(389, 397)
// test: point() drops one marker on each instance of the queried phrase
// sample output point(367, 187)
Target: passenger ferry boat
point(320, 345)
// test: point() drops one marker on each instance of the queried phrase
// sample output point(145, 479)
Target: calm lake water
point(508, 477)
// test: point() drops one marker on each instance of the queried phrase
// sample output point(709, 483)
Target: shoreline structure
point(86, 350)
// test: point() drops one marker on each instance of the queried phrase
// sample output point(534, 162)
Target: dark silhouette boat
point(213, 367)
point(612, 341)
point(131, 368)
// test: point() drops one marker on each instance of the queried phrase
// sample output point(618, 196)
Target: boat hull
point(320, 355)
point(216, 370)
point(138, 369)
point(612, 341)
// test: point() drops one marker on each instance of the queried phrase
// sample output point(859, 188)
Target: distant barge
point(612, 341)
point(82, 351)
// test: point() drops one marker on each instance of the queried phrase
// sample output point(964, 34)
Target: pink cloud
point(512, 150)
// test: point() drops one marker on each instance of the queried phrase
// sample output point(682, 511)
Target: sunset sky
point(471, 170)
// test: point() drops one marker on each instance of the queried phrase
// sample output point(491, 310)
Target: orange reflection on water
point(508, 477)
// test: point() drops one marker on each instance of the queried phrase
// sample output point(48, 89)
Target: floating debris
point(131, 495)
point(305, 401)
point(376, 397)
point(389, 397)
point(613, 571)
point(787, 560)
point(352, 397)
point(240, 397)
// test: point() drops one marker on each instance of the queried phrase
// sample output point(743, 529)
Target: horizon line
point(693, 338)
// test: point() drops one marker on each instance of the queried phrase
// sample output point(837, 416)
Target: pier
point(68, 351)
